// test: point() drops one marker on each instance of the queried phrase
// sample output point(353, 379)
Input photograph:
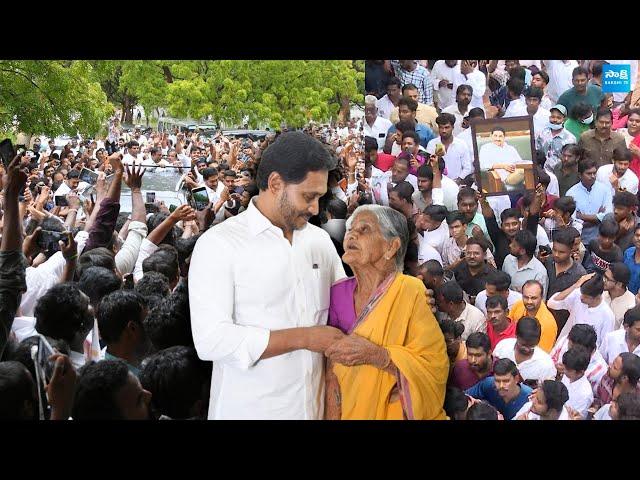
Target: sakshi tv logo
point(616, 78)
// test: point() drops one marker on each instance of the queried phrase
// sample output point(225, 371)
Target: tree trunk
point(127, 109)
point(345, 110)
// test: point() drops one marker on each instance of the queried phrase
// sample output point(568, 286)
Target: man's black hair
point(153, 283)
point(580, 110)
point(96, 390)
point(576, 358)
point(404, 190)
point(177, 380)
point(209, 172)
point(608, 228)
point(293, 155)
point(625, 199)
point(451, 326)
point(593, 287)
point(452, 292)
point(169, 323)
point(154, 221)
point(529, 330)
point(337, 208)
point(437, 213)
point(97, 282)
point(584, 335)
point(555, 394)
point(446, 119)
point(456, 216)
point(510, 213)
point(526, 240)
point(586, 164)
point(165, 261)
point(116, 310)
point(62, 312)
point(499, 279)
point(482, 411)
point(496, 301)
point(96, 257)
point(410, 103)
point(455, 402)
point(479, 340)
point(505, 366)
point(565, 205)
point(18, 392)
point(631, 316)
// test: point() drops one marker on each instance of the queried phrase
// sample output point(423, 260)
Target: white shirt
point(564, 415)
point(263, 283)
point(619, 306)
point(614, 344)
point(437, 237)
point(580, 394)
point(448, 196)
point(476, 80)
point(481, 300)
point(128, 159)
point(603, 413)
point(540, 120)
point(539, 367)
point(516, 108)
point(427, 252)
point(455, 111)
point(385, 107)
point(628, 181)
point(492, 154)
point(214, 195)
point(600, 318)
point(441, 71)
point(560, 77)
point(597, 366)
point(128, 253)
point(378, 130)
point(457, 159)
point(473, 320)
point(554, 186)
point(42, 278)
point(147, 247)
point(465, 136)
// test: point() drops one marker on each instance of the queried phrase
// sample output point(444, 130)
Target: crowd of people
point(531, 290)
point(349, 272)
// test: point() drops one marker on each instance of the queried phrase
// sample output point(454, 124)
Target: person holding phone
point(271, 295)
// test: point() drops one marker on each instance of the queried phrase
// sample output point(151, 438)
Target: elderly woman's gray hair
point(392, 224)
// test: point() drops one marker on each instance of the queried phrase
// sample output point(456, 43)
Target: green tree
point(51, 97)
point(265, 91)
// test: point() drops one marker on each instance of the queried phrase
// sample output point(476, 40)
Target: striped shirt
point(420, 77)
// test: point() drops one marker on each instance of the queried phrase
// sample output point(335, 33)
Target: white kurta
point(260, 283)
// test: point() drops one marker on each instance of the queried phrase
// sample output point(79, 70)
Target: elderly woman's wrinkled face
point(364, 243)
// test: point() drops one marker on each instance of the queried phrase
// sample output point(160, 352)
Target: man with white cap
point(554, 136)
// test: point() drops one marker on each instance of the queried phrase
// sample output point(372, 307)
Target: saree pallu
point(400, 320)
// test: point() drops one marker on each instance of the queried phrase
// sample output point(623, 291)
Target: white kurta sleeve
point(128, 254)
point(216, 336)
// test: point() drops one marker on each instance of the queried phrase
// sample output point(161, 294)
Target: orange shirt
point(548, 325)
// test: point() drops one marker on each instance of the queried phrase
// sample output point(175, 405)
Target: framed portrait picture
point(503, 150)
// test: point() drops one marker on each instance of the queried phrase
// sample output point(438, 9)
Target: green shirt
point(593, 97)
point(565, 182)
point(575, 127)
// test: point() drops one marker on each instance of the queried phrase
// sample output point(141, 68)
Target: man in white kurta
point(259, 297)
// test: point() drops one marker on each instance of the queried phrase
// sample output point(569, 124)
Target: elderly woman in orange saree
point(393, 363)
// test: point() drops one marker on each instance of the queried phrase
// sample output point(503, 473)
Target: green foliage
point(51, 97)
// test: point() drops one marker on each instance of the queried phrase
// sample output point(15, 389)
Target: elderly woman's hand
point(355, 350)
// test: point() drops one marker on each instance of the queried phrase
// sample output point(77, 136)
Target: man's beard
point(289, 214)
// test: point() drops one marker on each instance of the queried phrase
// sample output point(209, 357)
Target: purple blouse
point(342, 312)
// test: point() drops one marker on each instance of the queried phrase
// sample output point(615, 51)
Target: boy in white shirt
point(534, 364)
point(576, 362)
